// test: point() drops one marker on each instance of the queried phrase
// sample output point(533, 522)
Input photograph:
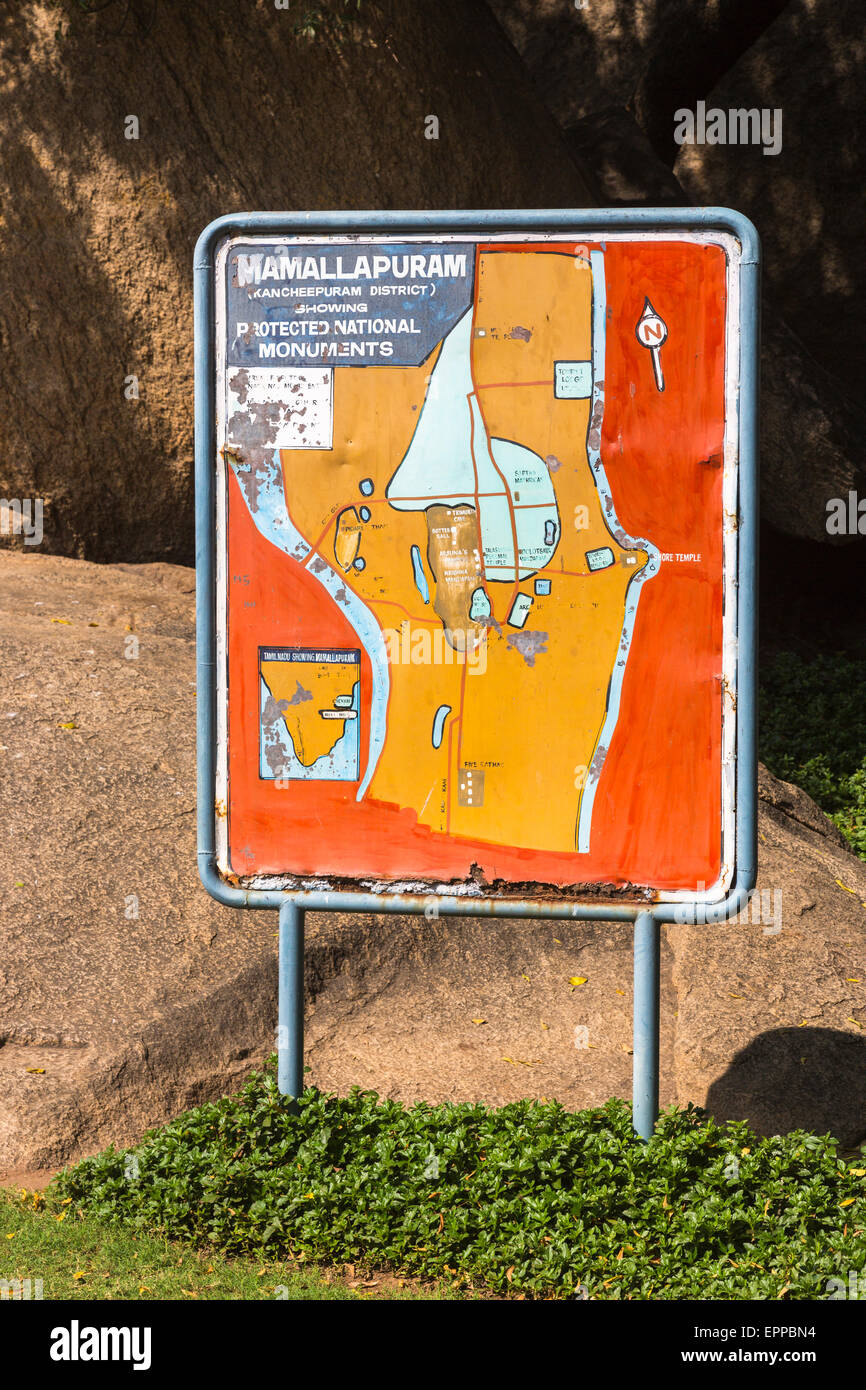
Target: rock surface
point(807, 200)
point(612, 147)
point(111, 1022)
point(95, 281)
point(117, 973)
point(237, 111)
point(650, 55)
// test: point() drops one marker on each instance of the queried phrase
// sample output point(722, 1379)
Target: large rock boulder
point(239, 107)
point(127, 994)
point(612, 147)
point(118, 974)
point(650, 55)
point(806, 201)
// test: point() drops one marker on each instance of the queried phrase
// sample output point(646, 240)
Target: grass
point(812, 719)
point(527, 1200)
point(78, 1256)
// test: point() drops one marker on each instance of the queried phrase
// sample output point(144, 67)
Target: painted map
point(426, 550)
point(309, 713)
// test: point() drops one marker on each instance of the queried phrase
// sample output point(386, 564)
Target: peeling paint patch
point(598, 758)
point(287, 409)
point(529, 644)
point(300, 696)
point(272, 720)
point(593, 436)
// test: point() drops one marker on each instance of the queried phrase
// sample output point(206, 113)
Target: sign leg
point(645, 1084)
point(290, 1034)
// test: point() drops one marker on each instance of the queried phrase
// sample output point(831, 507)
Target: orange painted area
point(658, 807)
point(530, 729)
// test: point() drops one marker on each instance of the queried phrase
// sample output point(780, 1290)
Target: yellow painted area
point(303, 690)
point(533, 729)
point(528, 721)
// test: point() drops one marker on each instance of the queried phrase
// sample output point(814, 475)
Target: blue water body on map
point(420, 577)
point(520, 610)
point(270, 513)
point(479, 605)
point(439, 718)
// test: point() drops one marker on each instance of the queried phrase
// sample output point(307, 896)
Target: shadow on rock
point(796, 1078)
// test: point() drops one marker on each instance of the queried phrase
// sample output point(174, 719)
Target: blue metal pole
point(645, 1083)
point(290, 1036)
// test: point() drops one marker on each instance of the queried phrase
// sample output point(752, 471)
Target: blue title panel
point(357, 304)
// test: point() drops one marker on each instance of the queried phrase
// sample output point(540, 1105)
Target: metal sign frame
point(646, 917)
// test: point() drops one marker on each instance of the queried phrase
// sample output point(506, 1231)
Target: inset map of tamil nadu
point(309, 713)
point(455, 512)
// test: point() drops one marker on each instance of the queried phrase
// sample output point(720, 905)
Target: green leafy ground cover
point(812, 717)
point(529, 1199)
